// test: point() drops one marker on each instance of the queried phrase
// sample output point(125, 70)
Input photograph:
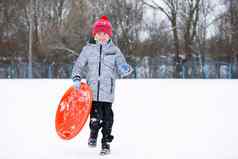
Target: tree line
point(60, 28)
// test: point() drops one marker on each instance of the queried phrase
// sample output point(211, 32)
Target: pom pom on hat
point(102, 25)
point(104, 17)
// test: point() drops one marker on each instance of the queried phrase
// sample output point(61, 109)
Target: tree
point(189, 16)
point(12, 30)
point(226, 37)
point(170, 10)
point(159, 37)
point(232, 13)
point(126, 18)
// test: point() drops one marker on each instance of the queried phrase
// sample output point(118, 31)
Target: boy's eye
point(103, 34)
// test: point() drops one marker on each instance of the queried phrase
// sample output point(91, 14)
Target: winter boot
point(105, 149)
point(92, 141)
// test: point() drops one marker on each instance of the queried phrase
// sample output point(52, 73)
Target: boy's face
point(102, 37)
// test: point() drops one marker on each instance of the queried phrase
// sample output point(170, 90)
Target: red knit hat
point(102, 25)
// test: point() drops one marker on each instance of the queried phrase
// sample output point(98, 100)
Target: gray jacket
point(99, 64)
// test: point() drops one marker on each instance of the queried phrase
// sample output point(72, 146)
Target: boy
point(101, 62)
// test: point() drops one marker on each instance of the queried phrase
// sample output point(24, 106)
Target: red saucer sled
point(73, 111)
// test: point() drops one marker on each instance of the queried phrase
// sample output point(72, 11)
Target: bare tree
point(226, 37)
point(12, 30)
point(189, 15)
point(59, 26)
point(170, 10)
point(126, 18)
point(159, 37)
point(201, 39)
point(233, 36)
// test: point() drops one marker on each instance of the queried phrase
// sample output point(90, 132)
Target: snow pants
point(101, 117)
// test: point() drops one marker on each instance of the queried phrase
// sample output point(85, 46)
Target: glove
point(77, 84)
point(124, 68)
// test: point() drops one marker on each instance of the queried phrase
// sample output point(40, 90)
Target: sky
point(153, 118)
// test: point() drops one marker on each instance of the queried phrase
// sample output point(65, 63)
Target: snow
point(167, 119)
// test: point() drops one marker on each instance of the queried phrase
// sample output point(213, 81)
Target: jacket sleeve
point(79, 66)
point(120, 60)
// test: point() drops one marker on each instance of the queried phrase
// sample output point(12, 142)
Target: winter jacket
point(99, 65)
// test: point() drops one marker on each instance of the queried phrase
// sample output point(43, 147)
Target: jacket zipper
point(99, 72)
point(111, 84)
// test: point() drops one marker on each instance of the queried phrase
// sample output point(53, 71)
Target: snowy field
point(154, 119)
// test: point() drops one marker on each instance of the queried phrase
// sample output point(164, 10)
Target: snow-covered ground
point(154, 119)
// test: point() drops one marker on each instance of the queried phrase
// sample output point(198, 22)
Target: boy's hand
point(124, 68)
point(77, 84)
